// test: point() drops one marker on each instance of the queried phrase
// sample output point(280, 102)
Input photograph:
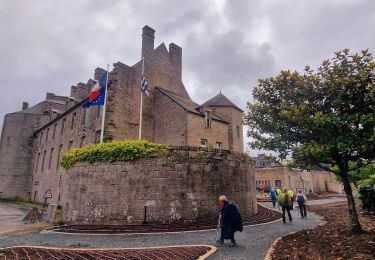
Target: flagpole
point(104, 106)
point(141, 106)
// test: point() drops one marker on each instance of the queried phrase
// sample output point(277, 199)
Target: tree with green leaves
point(357, 171)
point(325, 117)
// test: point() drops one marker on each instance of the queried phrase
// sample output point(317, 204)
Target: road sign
point(48, 194)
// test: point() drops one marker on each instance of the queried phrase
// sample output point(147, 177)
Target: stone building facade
point(275, 174)
point(181, 186)
point(34, 139)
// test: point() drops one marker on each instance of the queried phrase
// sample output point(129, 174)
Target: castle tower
point(227, 110)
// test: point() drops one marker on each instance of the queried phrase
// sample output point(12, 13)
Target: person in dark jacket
point(230, 220)
point(273, 195)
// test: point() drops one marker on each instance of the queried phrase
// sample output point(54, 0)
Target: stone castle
point(34, 139)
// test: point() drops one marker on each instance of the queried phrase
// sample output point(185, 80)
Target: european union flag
point(98, 101)
point(97, 94)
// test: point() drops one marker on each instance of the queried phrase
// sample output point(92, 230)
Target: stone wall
point(197, 130)
point(16, 155)
point(76, 128)
point(172, 119)
point(181, 186)
point(318, 181)
point(234, 117)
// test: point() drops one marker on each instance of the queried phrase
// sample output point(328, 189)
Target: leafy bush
point(113, 151)
point(247, 158)
point(367, 193)
point(199, 155)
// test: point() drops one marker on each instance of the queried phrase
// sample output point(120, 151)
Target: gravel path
point(10, 216)
point(253, 242)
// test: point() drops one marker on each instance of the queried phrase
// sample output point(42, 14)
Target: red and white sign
point(48, 194)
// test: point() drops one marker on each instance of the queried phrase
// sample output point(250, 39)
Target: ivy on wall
point(113, 151)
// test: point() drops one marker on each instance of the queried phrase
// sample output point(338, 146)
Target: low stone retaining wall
point(182, 186)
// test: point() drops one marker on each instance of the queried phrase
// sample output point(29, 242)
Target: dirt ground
point(332, 240)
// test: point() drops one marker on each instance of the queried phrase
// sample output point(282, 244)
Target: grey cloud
point(228, 63)
point(51, 45)
point(313, 30)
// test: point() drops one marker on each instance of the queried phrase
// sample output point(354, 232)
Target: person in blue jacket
point(273, 197)
point(230, 220)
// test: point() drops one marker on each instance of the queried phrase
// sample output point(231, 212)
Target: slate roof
point(220, 101)
point(186, 103)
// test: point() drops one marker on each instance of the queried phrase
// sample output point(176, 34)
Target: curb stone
point(274, 243)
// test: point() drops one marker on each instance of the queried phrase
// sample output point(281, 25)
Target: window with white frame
point(204, 143)
point(219, 145)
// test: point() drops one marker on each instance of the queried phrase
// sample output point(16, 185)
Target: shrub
point(367, 193)
point(199, 155)
point(247, 158)
point(113, 151)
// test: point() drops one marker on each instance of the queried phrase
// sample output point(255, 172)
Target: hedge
point(366, 191)
point(112, 151)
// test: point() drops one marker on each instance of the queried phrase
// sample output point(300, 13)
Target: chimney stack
point(148, 37)
point(25, 105)
point(175, 54)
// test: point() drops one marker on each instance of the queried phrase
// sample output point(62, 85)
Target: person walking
point(273, 197)
point(231, 221)
point(301, 200)
point(278, 191)
point(285, 201)
point(291, 197)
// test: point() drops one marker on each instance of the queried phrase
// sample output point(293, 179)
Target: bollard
point(145, 215)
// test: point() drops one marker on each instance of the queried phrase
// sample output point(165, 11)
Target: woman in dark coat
point(231, 220)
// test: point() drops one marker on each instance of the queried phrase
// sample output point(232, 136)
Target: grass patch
point(26, 204)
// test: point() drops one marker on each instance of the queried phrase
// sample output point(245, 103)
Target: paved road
point(328, 200)
point(253, 242)
point(10, 217)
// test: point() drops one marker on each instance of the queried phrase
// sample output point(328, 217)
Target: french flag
point(97, 93)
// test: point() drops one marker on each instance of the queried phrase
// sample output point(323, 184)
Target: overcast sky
point(47, 46)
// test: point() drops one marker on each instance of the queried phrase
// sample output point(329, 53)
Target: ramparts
point(181, 186)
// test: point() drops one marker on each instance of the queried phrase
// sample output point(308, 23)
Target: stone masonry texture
point(182, 186)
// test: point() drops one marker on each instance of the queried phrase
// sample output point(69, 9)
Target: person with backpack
point(291, 197)
point(301, 200)
point(231, 221)
point(273, 196)
point(285, 202)
point(278, 191)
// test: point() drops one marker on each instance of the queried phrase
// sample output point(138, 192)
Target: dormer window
point(207, 118)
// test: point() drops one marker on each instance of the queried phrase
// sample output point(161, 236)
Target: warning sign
point(48, 194)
